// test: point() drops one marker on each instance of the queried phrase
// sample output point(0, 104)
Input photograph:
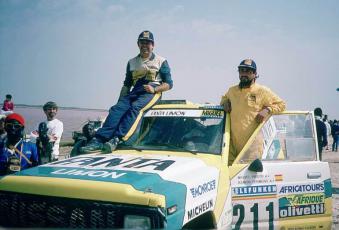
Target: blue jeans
point(123, 117)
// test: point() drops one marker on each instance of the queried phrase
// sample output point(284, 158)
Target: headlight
point(137, 222)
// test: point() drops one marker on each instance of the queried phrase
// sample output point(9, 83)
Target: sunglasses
point(245, 70)
point(13, 126)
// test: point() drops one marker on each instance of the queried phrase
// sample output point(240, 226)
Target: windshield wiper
point(181, 148)
point(144, 146)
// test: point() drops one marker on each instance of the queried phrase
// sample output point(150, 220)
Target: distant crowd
point(17, 151)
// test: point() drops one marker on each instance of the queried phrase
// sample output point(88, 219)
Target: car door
point(278, 181)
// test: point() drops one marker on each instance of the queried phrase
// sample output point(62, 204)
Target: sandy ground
point(331, 157)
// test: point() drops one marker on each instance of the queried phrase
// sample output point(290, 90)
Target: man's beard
point(51, 116)
point(245, 83)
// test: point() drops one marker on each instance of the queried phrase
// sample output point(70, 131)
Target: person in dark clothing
point(335, 135)
point(321, 130)
point(3, 133)
point(16, 153)
point(88, 132)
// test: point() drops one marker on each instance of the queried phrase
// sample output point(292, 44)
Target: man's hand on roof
point(227, 106)
point(261, 116)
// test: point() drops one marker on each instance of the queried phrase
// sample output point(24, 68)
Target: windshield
point(181, 130)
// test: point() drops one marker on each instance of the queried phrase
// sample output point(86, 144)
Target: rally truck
point(175, 173)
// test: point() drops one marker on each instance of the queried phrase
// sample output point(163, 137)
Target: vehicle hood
point(159, 174)
point(187, 183)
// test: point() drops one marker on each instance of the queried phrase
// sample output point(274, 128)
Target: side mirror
point(256, 166)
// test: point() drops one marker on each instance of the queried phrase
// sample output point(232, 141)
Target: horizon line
point(61, 107)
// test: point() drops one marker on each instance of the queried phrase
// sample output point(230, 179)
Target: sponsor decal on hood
point(112, 167)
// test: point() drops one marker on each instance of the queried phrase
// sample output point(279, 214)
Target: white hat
point(2, 116)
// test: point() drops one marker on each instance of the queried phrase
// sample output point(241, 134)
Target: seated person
point(147, 76)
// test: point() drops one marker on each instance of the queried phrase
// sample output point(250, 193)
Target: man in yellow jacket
point(249, 104)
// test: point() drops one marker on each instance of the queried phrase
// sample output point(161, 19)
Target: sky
point(75, 52)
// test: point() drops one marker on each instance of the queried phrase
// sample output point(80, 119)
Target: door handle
point(313, 175)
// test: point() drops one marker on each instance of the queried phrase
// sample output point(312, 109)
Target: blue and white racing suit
point(124, 117)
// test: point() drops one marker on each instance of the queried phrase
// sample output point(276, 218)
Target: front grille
point(24, 210)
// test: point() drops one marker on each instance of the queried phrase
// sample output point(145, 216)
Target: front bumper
point(26, 210)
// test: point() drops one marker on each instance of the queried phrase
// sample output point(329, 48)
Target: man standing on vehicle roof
point(249, 104)
point(148, 75)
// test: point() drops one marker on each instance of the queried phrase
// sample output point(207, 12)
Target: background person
point(335, 135)
point(321, 130)
point(328, 129)
point(88, 132)
point(249, 104)
point(2, 130)
point(148, 75)
point(8, 105)
point(16, 154)
point(50, 132)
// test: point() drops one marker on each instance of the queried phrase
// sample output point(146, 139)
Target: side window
point(284, 137)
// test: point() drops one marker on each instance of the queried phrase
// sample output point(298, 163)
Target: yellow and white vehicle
point(174, 173)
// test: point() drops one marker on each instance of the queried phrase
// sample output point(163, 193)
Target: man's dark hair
point(8, 96)
point(50, 104)
point(325, 117)
point(318, 112)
